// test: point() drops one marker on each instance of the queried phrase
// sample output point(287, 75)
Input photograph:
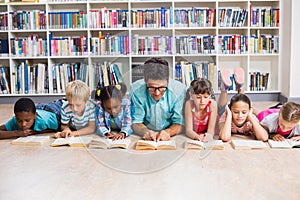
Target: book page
point(123, 143)
point(167, 145)
point(22, 140)
point(294, 143)
point(60, 142)
point(100, 143)
point(79, 141)
point(279, 144)
point(214, 144)
point(193, 144)
point(256, 144)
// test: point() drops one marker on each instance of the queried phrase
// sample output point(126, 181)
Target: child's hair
point(24, 105)
point(200, 86)
point(111, 91)
point(290, 112)
point(77, 90)
point(239, 97)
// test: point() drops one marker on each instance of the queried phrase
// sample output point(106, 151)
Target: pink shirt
point(200, 125)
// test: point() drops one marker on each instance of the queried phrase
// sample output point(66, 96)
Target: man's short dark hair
point(156, 69)
point(24, 105)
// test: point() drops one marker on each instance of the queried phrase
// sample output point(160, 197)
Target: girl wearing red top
point(200, 110)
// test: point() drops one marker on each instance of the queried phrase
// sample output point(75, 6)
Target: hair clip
point(98, 92)
point(118, 86)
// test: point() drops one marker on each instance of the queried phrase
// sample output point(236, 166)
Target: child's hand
point(150, 135)
point(296, 138)
point(278, 137)
point(163, 135)
point(228, 111)
point(200, 137)
point(119, 136)
point(109, 135)
point(25, 133)
point(57, 135)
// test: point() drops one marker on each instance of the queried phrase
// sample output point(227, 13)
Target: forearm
point(8, 134)
point(259, 131)
point(225, 132)
point(191, 134)
point(88, 129)
point(174, 129)
point(140, 129)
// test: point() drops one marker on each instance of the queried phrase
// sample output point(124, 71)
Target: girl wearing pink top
point(200, 110)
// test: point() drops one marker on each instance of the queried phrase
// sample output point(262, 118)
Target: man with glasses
point(157, 102)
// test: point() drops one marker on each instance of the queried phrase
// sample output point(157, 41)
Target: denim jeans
point(54, 107)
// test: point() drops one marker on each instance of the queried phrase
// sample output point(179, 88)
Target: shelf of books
point(46, 44)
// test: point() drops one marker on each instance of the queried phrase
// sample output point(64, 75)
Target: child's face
point(239, 112)
point(200, 100)
point(286, 125)
point(25, 120)
point(77, 106)
point(112, 106)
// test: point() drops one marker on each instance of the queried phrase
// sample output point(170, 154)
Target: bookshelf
point(219, 33)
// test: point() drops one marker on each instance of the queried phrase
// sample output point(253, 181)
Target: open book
point(152, 145)
point(102, 143)
point(248, 144)
point(196, 144)
point(82, 141)
point(285, 144)
point(31, 140)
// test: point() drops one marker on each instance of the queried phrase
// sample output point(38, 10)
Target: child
point(200, 110)
point(28, 120)
point(113, 112)
point(238, 117)
point(282, 123)
point(78, 112)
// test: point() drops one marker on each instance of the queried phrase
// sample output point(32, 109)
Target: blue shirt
point(123, 120)
point(45, 120)
point(157, 115)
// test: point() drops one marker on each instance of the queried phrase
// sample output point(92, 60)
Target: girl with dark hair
point(200, 110)
point(113, 116)
point(238, 117)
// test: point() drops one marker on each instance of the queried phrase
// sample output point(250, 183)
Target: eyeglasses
point(160, 89)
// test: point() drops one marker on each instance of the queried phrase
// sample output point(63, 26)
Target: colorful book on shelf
point(31, 140)
point(82, 141)
point(248, 144)
point(211, 145)
point(153, 145)
point(103, 143)
point(285, 144)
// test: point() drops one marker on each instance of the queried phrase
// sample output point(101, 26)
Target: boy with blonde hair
point(78, 113)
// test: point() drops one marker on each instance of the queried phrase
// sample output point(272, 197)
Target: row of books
point(28, 20)
point(4, 80)
point(107, 18)
point(196, 44)
point(264, 17)
point(232, 17)
point(194, 17)
point(258, 81)
point(104, 143)
point(186, 72)
point(106, 73)
point(263, 44)
point(3, 21)
point(110, 45)
point(232, 44)
point(30, 46)
point(152, 45)
point(151, 18)
point(68, 46)
point(67, 20)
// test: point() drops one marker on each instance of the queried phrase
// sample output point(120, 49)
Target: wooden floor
point(45, 172)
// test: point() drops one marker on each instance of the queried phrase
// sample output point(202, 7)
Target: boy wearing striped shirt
point(78, 113)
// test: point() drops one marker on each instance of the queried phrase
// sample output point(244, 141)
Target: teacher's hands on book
point(163, 135)
point(150, 135)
